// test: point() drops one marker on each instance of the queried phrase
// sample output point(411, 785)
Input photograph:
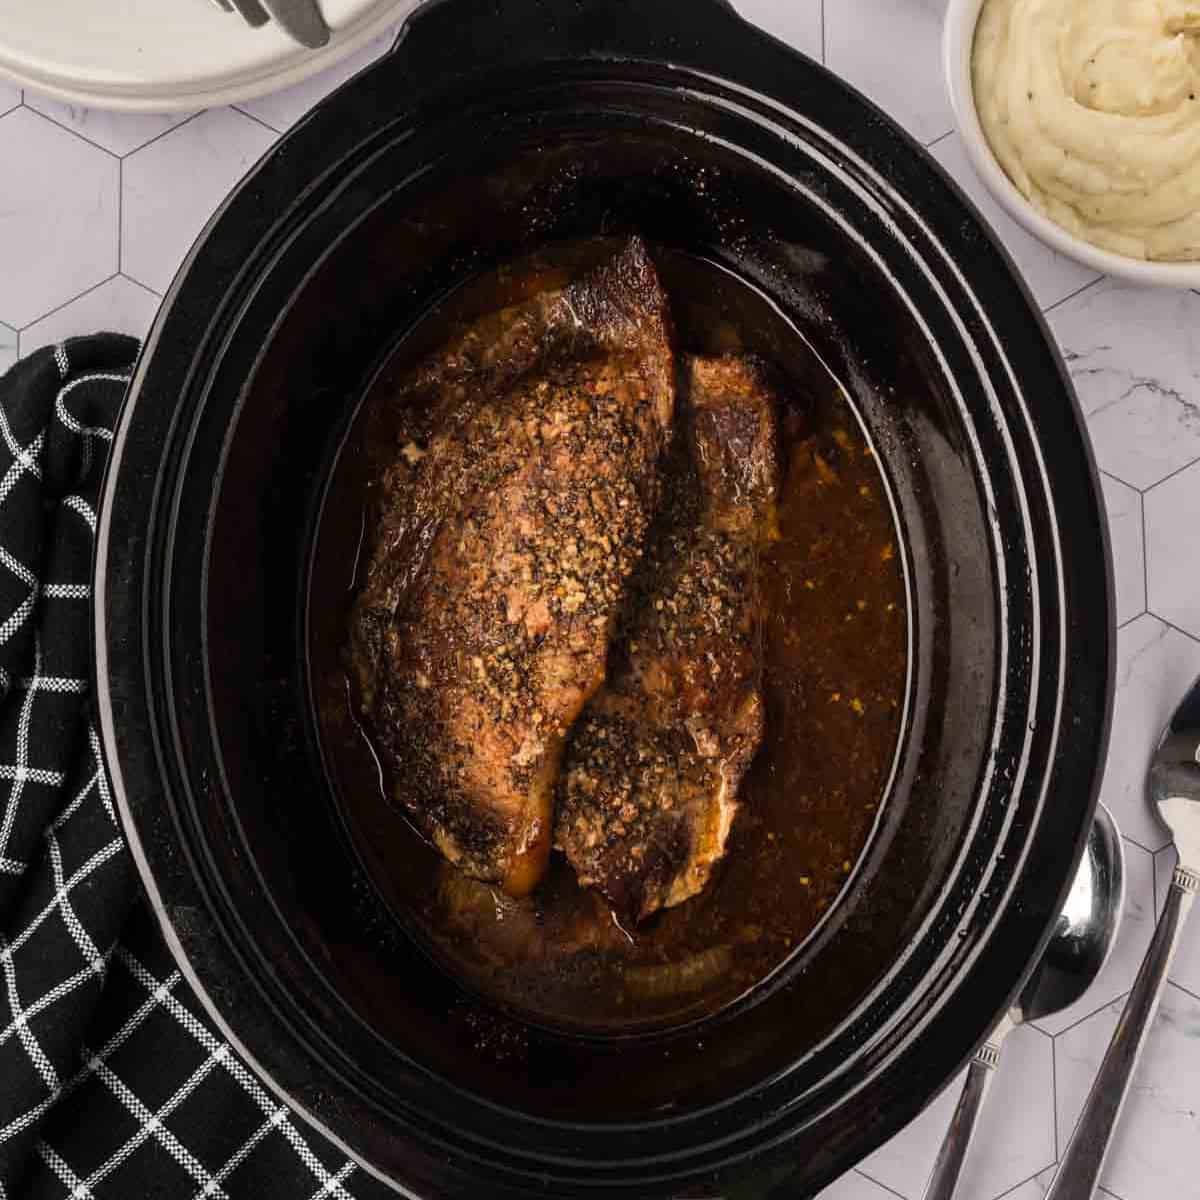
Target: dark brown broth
point(836, 655)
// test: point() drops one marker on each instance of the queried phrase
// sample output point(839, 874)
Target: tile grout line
point(1054, 1096)
point(257, 120)
point(120, 212)
point(1087, 418)
point(20, 332)
point(1167, 478)
point(158, 137)
point(824, 43)
point(69, 129)
point(1145, 555)
point(1077, 292)
point(139, 284)
point(871, 1179)
point(1029, 1179)
point(1171, 625)
point(1120, 1000)
point(1126, 837)
point(1186, 991)
point(1145, 552)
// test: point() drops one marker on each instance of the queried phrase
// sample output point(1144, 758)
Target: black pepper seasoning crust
point(650, 783)
point(506, 533)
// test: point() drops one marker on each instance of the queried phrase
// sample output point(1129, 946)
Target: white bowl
point(958, 39)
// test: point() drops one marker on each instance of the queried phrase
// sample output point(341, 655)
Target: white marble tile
point(1050, 276)
point(1135, 360)
point(1019, 1121)
point(58, 216)
point(1173, 549)
point(797, 22)
point(118, 306)
point(10, 97)
point(8, 347)
point(1185, 971)
point(1032, 1189)
point(1155, 666)
point(1154, 1150)
point(1124, 507)
point(855, 1186)
point(1137, 926)
point(892, 52)
point(121, 133)
point(282, 109)
point(172, 186)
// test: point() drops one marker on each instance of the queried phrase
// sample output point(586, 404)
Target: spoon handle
point(957, 1141)
point(1079, 1171)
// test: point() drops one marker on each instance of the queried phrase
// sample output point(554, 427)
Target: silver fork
point(251, 11)
point(300, 19)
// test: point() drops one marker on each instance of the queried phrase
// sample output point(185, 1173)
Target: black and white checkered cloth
point(112, 1081)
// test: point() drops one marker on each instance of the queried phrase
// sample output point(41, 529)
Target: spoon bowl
point(1086, 929)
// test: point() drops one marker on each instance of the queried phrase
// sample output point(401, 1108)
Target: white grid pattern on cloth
point(80, 505)
point(77, 427)
point(101, 856)
point(86, 433)
point(235, 1160)
point(53, 959)
point(132, 1024)
point(25, 458)
point(101, 777)
point(20, 771)
point(94, 963)
point(330, 1182)
point(16, 620)
point(160, 994)
point(45, 1068)
point(153, 1124)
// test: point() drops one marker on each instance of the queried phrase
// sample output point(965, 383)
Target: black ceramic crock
point(497, 127)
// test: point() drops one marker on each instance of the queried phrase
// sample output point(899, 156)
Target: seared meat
point(501, 554)
point(650, 783)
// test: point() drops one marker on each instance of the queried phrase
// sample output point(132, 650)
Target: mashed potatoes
point(1093, 109)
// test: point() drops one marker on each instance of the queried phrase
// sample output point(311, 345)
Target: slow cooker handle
point(446, 39)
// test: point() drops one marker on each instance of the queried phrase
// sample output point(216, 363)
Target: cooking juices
point(834, 633)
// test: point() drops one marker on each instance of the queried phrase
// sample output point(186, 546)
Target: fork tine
point(252, 12)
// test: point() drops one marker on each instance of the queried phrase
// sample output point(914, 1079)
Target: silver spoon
point(1076, 953)
point(1175, 795)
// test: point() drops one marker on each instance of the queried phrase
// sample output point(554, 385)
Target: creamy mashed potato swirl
point(1093, 109)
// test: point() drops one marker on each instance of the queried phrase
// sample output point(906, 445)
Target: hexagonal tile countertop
point(97, 210)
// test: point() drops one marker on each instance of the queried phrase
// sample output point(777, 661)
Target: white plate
point(169, 55)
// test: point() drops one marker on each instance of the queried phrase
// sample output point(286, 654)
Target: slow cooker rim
point(127, 419)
